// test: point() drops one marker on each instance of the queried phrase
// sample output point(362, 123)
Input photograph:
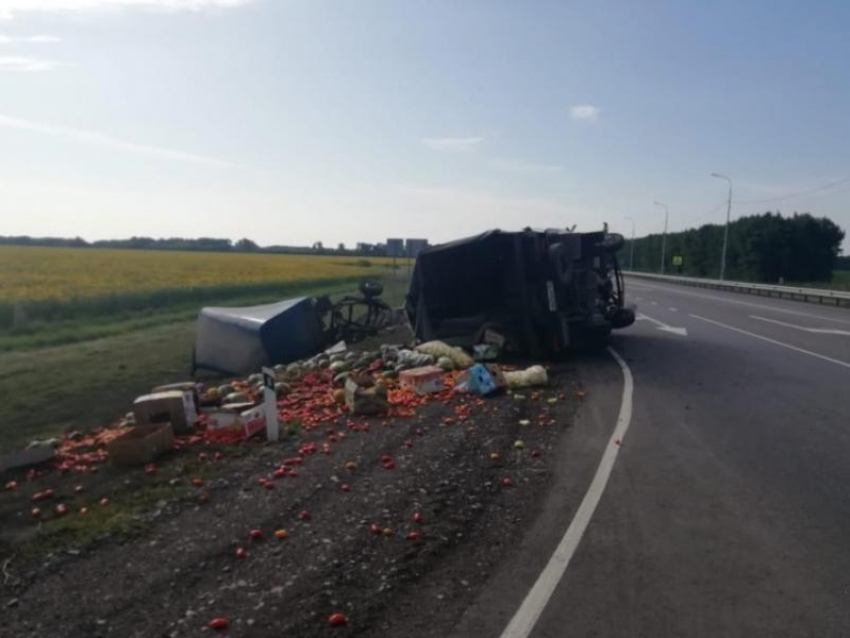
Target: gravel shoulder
point(467, 479)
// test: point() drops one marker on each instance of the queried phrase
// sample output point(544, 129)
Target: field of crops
point(63, 274)
point(57, 295)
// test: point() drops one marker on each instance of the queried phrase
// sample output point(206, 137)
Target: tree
point(245, 245)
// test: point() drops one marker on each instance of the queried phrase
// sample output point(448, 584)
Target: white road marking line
point(682, 332)
point(822, 331)
point(535, 602)
point(774, 341)
point(744, 303)
point(671, 309)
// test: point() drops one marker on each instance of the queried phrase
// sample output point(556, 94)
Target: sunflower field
point(38, 283)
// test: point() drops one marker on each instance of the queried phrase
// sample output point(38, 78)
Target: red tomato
point(507, 481)
point(417, 517)
point(414, 536)
point(375, 529)
point(61, 510)
point(304, 515)
point(345, 487)
point(218, 623)
point(198, 482)
point(240, 553)
point(337, 620)
point(104, 502)
point(256, 534)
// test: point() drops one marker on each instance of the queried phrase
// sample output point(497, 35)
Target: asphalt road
point(728, 510)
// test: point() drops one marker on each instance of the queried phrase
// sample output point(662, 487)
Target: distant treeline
point(205, 244)
point(763, 248)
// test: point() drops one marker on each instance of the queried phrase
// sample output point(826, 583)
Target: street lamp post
point(632, 245)
point(664, 237)
point(726, 229)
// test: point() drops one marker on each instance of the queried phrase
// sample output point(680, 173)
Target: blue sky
point(291, 121)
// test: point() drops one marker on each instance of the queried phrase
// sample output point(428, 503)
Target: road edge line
point(538, 596)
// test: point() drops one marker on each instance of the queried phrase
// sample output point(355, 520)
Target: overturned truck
point(542, 292)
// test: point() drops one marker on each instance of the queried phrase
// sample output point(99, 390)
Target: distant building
point(415, 246)
point(395, 248)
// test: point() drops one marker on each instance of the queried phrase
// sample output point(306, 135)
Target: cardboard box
point(249, 421)
point(364, 396)
point(141, 445)
point(176, 407)
point(30, 456)
point(183, 386)
point(423, 380)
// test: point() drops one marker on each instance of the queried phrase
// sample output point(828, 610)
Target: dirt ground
point(399, 550)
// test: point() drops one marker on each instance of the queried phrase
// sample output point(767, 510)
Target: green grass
point(54, 323)
point(92, 383)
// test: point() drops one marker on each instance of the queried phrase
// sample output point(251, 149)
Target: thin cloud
point(15, 64)
point(99, 139)
point(10, 8)
point(520, 166)
point(584, 112)
point(452, 144)
point(29, 39)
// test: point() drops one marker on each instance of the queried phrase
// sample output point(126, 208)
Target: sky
point(294, 121)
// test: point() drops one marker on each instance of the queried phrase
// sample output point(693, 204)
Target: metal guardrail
point(838, 298)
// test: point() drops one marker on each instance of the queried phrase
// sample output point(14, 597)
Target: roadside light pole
point(726, 229)
point(664, 237)
point(632, 244)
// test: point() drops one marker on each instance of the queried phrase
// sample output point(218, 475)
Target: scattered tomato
point(414, 535)
point(42, 495)
point(535, 454)
point(495, 456)
point(79, 489)
point(374, 529)
point(218, 456)
point(12, 485)
point(268, 485)
point(104, 502)
point(507, 481)
point(150, 469)
point(337, 620)
point(417, 517)
point(202, 456)
point(84, 511)
point(293, 474)
point(519, 445)
point(345, 487)
point(280, 534)
point(218, 623)
point(61, 510)
point(256, 534)
point(279, 473)
point(240, 553)
point(388, 531)
point(350, 466)
point(304, 515)
point(581, 394)
point(198, 482)
point(35, 512)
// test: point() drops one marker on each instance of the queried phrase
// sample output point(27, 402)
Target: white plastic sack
point(535, 375)
point(439, 349)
